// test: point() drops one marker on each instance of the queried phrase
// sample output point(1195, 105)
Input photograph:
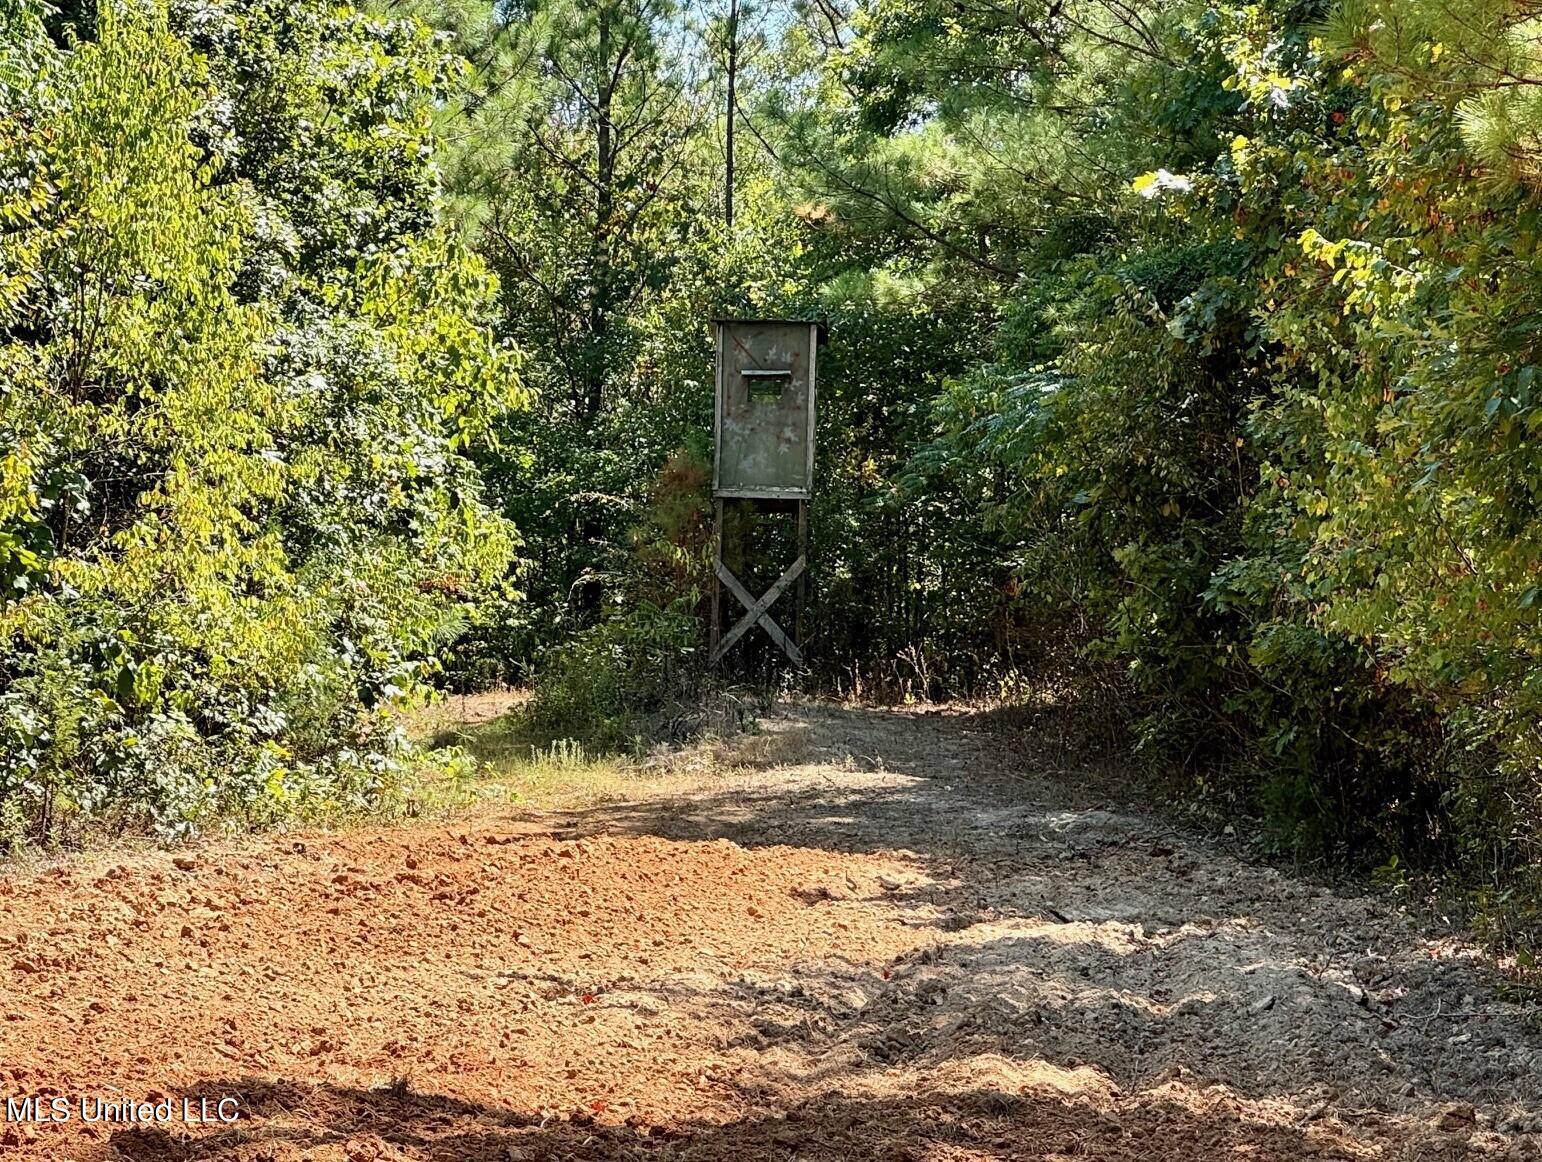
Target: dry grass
point(456, 712)
point(511, 763)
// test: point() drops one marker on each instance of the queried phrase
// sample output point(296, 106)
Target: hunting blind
point(763, 444)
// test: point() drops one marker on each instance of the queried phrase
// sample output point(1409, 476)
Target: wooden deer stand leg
point(757, 610)
point(801, 597)
point(717, 584)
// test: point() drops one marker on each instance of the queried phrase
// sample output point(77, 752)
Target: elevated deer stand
point(763, 440)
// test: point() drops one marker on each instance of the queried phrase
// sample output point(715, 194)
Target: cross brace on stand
point(757, 612)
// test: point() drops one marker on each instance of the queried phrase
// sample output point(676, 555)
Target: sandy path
point(894, 941)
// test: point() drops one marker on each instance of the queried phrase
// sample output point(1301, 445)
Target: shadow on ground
point(856, 780)
point(288, 1120)
point(1073, 929)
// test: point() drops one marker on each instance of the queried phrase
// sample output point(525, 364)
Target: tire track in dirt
point(891, 938)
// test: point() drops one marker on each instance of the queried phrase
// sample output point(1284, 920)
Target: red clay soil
point(320, 979)
point(459, 994)
point(490, 991)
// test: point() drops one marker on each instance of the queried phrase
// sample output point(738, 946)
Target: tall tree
point(574, 136)
point(585, 164)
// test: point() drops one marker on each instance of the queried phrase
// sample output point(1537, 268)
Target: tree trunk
point(728, 142)
point(604, 205)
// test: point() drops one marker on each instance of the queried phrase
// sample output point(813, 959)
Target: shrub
point(637, 675)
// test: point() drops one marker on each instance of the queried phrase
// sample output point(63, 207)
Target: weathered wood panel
point(765, 409)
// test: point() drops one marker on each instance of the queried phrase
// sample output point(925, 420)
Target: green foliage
point(672, 543)
point(234, 520)
point(637, 675)
point(1257, 411)
point(1193, 341)
point(579, 159)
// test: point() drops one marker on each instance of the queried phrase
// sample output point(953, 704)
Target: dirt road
point(890, 938)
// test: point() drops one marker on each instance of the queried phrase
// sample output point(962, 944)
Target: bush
point(636, 676)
